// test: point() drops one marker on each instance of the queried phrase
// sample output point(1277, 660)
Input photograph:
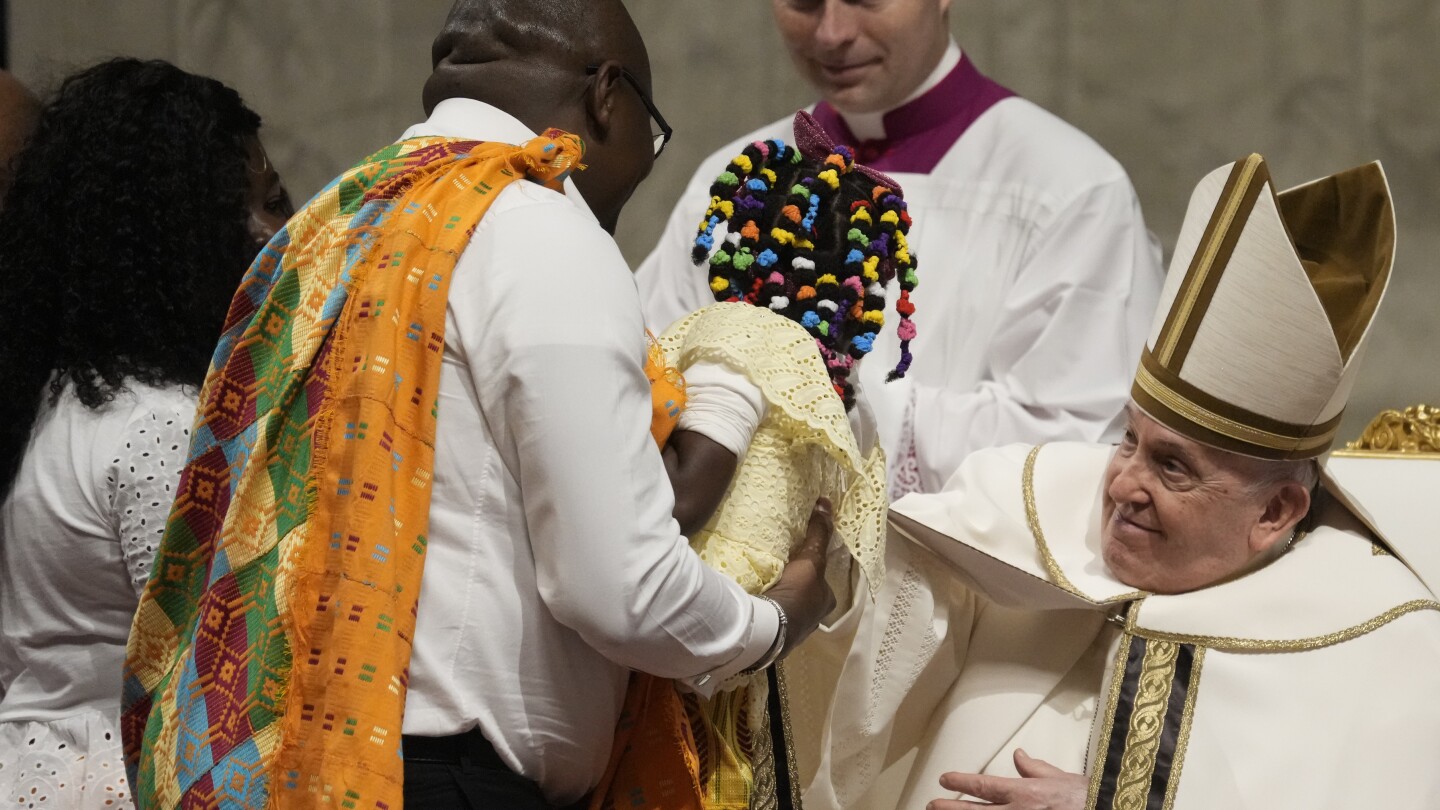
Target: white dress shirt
point(1037, 276)
point(554, 564)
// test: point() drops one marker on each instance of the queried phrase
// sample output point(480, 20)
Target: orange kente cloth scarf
point(268, 662)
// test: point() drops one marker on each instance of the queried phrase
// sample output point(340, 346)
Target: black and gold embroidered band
point(1143, 747)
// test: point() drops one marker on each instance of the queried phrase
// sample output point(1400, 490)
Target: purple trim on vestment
point(918, 134)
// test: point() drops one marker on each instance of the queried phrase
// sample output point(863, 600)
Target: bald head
point(562, 64)
point(522, 55)
point(19, 110)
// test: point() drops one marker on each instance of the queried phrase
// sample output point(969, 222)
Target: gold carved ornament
point(1414, 431)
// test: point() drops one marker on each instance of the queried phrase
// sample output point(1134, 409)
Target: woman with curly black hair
point(138, 202)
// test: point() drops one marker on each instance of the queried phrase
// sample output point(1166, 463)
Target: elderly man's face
point(864, 55)
point(1181, 516)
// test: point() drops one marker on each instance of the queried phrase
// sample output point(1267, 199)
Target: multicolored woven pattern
point(269, 657)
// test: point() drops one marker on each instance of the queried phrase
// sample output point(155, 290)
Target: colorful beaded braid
point(771, 198)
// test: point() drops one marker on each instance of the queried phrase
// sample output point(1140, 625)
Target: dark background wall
point(1172, 89)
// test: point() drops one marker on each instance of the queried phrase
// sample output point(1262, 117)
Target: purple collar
point(919, 133)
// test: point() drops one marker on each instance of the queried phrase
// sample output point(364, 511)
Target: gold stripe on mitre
point(1191, 412)
point(1247, 179)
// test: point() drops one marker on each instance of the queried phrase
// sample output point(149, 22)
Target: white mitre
point(1266, 309)
point(1255, 347)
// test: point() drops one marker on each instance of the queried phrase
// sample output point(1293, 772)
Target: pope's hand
point(1041, 786)
point(801, 590)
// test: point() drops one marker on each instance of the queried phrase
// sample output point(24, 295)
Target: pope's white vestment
point(1308, 682)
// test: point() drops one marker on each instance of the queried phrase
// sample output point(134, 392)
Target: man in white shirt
point(1037, 273)
point(554, 565)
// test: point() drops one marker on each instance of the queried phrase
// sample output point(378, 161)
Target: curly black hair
point(122, 239)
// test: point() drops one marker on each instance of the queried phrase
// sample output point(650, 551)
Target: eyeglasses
point(663, 136)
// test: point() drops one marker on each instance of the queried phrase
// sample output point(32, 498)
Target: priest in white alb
point(1201, 617)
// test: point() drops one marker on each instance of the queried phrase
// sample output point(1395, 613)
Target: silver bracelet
point(773, 654)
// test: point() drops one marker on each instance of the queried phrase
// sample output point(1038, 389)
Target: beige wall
point(333, 79)
point(1172, 87)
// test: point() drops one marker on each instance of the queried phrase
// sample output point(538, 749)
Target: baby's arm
point(700, 471)
point(722, 412)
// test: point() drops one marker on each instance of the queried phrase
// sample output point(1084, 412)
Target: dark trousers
point(464, 773)
point(437, 786)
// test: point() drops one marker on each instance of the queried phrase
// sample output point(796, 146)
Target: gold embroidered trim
point(1231, 644)
point(1147, 722)
point(791, 765)
point(1032, 519)
point(1226, 427)
point(764, 788)
point(1182, 739)
point(1102, 745)
point(1217, 237)
point(1385, 454)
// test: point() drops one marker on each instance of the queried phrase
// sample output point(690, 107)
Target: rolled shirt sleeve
point(721, 405)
